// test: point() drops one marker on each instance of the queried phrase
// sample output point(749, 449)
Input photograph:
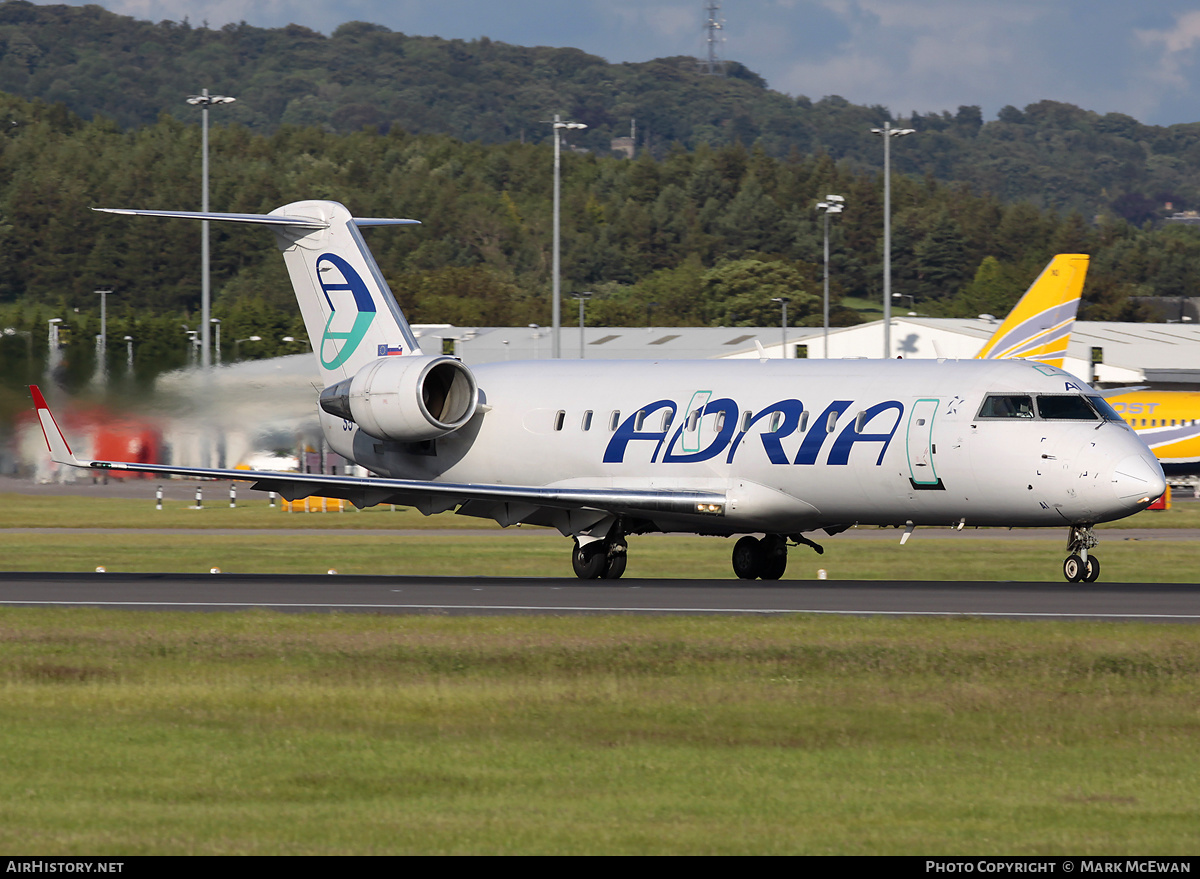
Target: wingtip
point(56, 442)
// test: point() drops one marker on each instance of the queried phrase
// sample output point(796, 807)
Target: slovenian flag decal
point(385, 351)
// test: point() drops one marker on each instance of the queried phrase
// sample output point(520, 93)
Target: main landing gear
point(600, 559)
point(765, 558)
point(1080, 567)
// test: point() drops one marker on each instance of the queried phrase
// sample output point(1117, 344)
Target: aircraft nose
point(1138, 480)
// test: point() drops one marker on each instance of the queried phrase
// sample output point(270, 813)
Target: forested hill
point(95, 62)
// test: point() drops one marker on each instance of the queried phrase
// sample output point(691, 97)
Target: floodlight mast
point(556, 306)
point(833, 204)
point(887, 132)
point(204, 101)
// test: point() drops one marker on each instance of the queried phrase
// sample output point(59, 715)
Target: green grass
point(265, 546)
point(546, 554)
point(252, 511)
point(259, 733)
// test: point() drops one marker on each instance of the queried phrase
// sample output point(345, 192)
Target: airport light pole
point(102, 339)
point(52, 343)
point(582, 297)
point(237, 345)
point(784, 300)
point(833, 204)
point(129, 356)
point(556, 308)
point(216, 321)
point(887, 132)
point(204, 101)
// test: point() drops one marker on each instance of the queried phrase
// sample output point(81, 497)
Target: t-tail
point(351, 316)
point(1039, 326)
point(373, 371)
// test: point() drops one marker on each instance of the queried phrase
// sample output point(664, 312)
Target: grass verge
point(546, 554)
point(263, 733)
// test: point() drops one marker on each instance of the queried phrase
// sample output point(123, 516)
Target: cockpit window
point(1065, 407)
point(1007, 406)
point(1107, 412)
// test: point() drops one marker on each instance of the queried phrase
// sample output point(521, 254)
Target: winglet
point(60, 451)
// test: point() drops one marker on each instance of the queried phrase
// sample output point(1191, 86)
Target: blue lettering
point(627, 432)
point(818, 432)
point(729, 436)
point(791, 411)
point(840, 453)
point(728, 426)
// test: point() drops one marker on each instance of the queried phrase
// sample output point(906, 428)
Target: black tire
point(615, 563)
point(589, 561)
point(748, 558)
point(1093, 570)
point(774, 563)
point(1073, 569)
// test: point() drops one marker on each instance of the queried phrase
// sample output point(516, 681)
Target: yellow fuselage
point(1168, 422)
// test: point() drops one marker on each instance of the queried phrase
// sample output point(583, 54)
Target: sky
point(1120, 56)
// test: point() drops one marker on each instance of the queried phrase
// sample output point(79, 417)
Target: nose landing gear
point(1080, 567)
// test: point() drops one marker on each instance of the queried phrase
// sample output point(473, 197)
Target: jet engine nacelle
point(407, 399)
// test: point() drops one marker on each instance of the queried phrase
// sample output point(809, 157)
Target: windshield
point(1065, 407)
point(1107, 412)
point(1007, 406)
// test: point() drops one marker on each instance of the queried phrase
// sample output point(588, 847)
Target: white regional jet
point(601, 451)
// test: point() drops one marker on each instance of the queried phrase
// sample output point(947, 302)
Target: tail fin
point(1039, 326)
point(349, 312)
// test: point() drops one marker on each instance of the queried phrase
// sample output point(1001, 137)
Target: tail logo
point(343, 335)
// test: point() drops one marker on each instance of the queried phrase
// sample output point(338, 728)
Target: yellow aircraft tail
point(1039, 326)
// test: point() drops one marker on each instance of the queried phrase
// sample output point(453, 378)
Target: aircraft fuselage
point(796, 444)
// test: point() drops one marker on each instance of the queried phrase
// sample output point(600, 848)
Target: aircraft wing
point(429, 497)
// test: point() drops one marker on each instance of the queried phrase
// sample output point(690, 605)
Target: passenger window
point(1065, 407)
point(639, 420)
point(666, 423)
point(693, 420)
point(746, 416)
point(614, 420)
point(720, 420)
point(559, 418)
point(587, 420)
point(1006, 406)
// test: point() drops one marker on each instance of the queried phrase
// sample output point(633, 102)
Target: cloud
point(1176, 48)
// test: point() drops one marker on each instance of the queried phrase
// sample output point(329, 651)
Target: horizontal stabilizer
point(262, 219)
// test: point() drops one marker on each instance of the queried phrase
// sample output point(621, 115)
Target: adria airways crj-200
point(765, 450)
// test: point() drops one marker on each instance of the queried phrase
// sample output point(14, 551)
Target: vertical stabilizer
point(349, 312)
point(1039, 326)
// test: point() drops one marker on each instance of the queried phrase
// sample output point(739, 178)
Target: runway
point(1178, 603)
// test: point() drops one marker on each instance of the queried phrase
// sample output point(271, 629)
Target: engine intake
point(406, 399)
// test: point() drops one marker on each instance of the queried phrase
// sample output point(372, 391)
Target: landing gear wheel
point(1081, 539)
point(774, 561)
point(748, 558)
point(590, 560)
point(615, 562)
point(1074, 569)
